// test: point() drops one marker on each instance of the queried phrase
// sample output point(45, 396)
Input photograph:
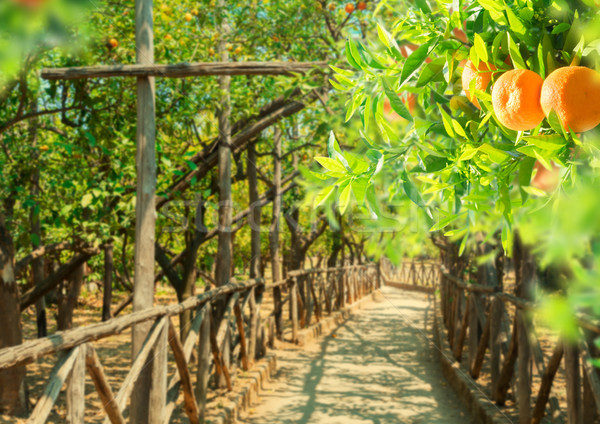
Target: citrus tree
point(484, 115)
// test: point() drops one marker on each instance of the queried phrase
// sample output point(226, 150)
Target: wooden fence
point(312, 294)
point(501, 333)
point(416, 275)
point(491, 333)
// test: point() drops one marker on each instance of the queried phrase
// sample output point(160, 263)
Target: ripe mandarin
point(573, 92)
point(349, 8)
point(482, 75)
point(516, 99)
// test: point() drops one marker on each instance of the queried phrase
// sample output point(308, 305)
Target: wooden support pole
point(223, 266)
point(239, 319)
point(180, 70)
point(188, 348)
point(524, 377)
point(189, 400)
point(592, 386)
point(76, 389)
point(274, 231)
point(480, 354)
point(508, 368)
point(459, 341)
point(546, 385)
point(59, 374)
point(294, 309)
point(473, 327)
point(203, 370)
point(143, 293)
point(495, 319)
point(103, 389)
point(573, 380)
point(140, 364)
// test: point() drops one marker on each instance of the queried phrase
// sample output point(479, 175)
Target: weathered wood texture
point(145, 216)
point(181, 70)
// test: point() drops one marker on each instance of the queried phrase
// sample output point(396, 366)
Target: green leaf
point(518, 27)
point(480, 48)
point(469, 153)
point(86, 200)
point(495, 155)
point(547, 142)
point(562, 27)
point(515, 55)
point(446, 221)
point(330, 164)
point(344, 199)
point(324, 195)
point(555, 123)
point(352, 56)
point(447, 121)
point(359, 188)
point(415, 60)
point(395, 101)
point(411, 190)
point(372, 201)
point(525, 171)
point(458, 129)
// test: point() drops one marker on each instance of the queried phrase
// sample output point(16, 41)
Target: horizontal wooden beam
point(181, 70)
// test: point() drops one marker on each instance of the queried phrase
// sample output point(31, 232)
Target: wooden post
point(274, 231)
point(546, 385)
point(459, 341)
point(573, 380)
point(473, 328)
point(523, 380)
point(145, 204)
point(223, 268)
point(495, 319)
point(508, 368)
point(76, 389)
point(239, 319)
point(104, 391)
point(308, 298)
point(294, 309)
point(204, 351)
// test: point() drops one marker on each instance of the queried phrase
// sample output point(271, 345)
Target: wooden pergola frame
point(151, 385)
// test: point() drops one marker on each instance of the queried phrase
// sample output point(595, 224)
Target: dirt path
point(378, 367)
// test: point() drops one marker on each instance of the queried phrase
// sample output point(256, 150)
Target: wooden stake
point(107, 398)
point(145, 203)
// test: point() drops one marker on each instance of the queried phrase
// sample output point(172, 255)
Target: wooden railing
point(419, 275)
point(496, 330)
point(312, 294)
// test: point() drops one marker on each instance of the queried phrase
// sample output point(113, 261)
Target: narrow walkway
point(378, 367)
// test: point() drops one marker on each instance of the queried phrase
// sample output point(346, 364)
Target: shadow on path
point(379, 368)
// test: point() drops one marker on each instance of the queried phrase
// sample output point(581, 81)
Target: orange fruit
point(573, 92)
point(113, 42)
point(361, 5)
point(516, 99)
point(168, 37)
point(544, 179)
point(44, 148)
point(349, 8)
point(482, 75)
point(188, 17)
point(331, 6)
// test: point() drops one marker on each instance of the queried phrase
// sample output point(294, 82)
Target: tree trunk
point(108, 282)
point(255, 212)
point(12, 380)
point(274, 231)
point(67, 302)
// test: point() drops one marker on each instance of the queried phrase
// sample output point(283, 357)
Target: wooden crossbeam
point(181, 70)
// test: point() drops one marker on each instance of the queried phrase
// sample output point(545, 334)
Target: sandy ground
point(378, 367)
